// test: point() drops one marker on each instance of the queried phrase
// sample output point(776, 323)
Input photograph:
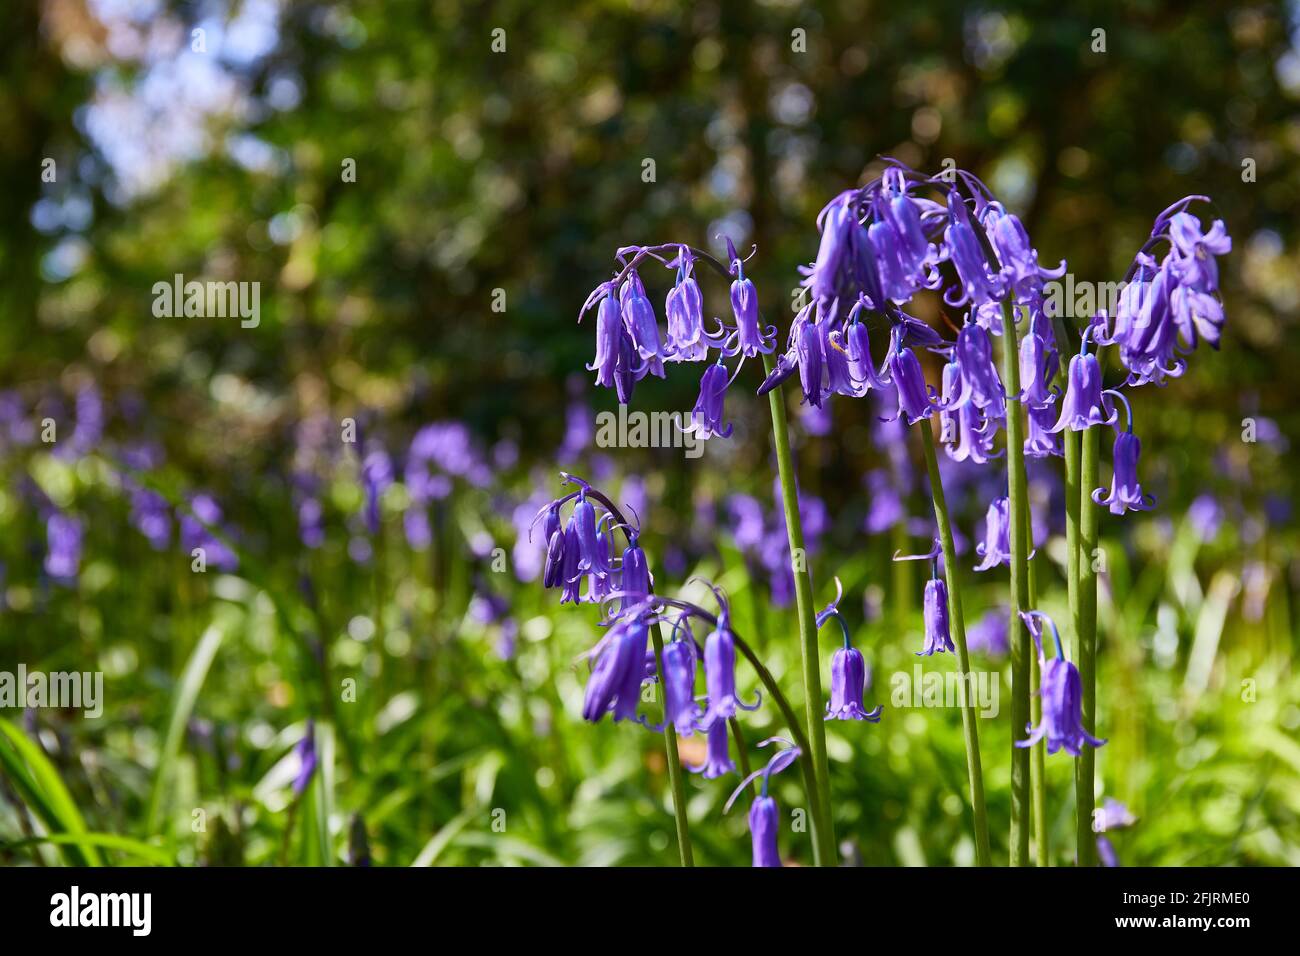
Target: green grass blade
point(186, 693)
point(40, 785)
point(155, 856)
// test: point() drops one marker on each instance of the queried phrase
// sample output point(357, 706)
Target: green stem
point(742, 755)
point(983, 857)
point(823, 828)
point(1038, 753)
point(1073, 450)
point(675, 779)
point(1021, 652)
point(1085, 764)
point(820, 856)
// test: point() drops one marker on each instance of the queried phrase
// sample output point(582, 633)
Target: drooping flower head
point(915, 397)
point(618, 672)
point(980, 384)
point(1061, 691)
point(582, 548)
point(1019, 259)
point(684, 307)
point(717, 761)
point(1175, 299)
point(680, 708)
point(750, 338)
point(1038, 366)
point(720, 671)
point(706, 418)
point(934, 604)
point(848, 672)
point(764, 818)
point(935, 608)
point(1082, 406)
point(996, 546)
point(1125, 492)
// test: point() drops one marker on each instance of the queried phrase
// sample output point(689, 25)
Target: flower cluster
point(629, 343)
point(581, 548)
point(1174, 300)
point(881, 245)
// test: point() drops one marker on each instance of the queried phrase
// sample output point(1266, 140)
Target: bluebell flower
point(1112, 815)
point(848, 672)
point(569, 576)
point(750, 337)
point(809, 351)
point(63, 547)
point(680, 708)
point(609, 326)
point(1195, 265)
point(717, 761)
point(1038, 366)
point(706, 417)
point(306, 754)
point(1106, 852)
point(592, 558)
point(763, 827)
point(685, 310)
point(835, 222)
point(639, 320)
point(1125, 492)
point(720, 673)
point(616, 677)
point(629, 368)
point(1061, 691)
point(915, 400)
point(862, 369)
point(764, 817)
point(978, 283)
point(1082, 406)
point(973, 355)
point(839, 374)
point(1019, 259)
point(635, 580)
point(935, 608)
point(1040, 440)
point(967, 431)
point(996, 547)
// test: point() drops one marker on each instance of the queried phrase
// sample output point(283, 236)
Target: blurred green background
point(130, 155)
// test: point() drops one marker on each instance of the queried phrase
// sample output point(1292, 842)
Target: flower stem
point(1018, 505)
point(983, 857)
point(821, 857)
point(1085, 764)
point(823, 830)
point(675, 779)
point(1038, 754)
